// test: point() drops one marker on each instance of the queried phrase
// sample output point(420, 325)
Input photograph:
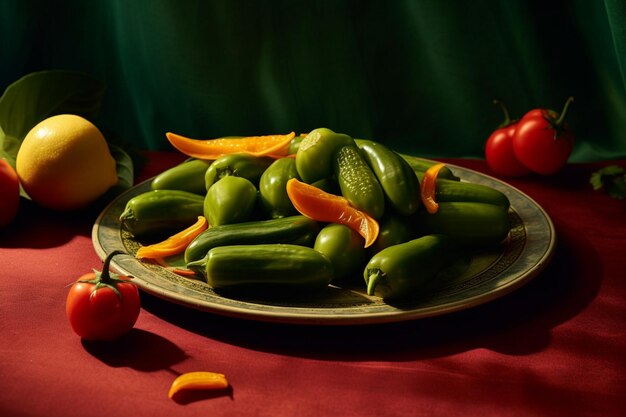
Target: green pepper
point(344, 247)
point(421, 165)
point(316, 154)
point(395, 175)
point(449, 191)
point(230, 200)
point(270, 267)
point(395, 228)
point(186, 176)
point(273, 196)
point(358, 183)
point(402, 270)
point(416, 163)
point(467, 223)
point(159, 212)
point(242, 165)
point(295, 143)
point(296, 230)
point(329, 185)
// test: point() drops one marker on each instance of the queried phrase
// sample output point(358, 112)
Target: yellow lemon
point(64, 163)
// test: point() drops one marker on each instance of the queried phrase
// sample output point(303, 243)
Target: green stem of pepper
point(127, 214)
point(225, 171)
point(375, 278)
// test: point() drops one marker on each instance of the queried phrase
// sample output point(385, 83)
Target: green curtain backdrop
point(418, 75)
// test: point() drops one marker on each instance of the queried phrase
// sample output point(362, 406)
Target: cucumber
point(396, 177)
point(467, 223)
point(270, 267)
point(298, 230)
point(420, 165)
point(357, 182)
point(449, 191)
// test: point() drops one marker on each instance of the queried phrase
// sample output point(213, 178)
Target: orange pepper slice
point(174, 244)
point(196, 381)
point(183, 272)
point(319, 205)
point(210, 149)
point(428, 188)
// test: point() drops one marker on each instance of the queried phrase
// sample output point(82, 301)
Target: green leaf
point(40, 95)
point(617, 187)
point(9, 148)
point(124, 166)
point(611, 178)
point(125, 175)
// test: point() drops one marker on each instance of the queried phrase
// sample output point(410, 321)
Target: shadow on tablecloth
point(519, 323)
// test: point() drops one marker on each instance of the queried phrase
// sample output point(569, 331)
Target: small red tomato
point(543, 141)
point(101, 305)
point(499, 148)
point(10, 193)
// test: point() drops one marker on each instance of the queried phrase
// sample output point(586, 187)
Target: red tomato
point(543, 141)
point(499, 148)
point(10, 193)
point(101, 305)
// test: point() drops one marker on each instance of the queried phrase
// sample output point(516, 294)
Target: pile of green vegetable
point(258, 241)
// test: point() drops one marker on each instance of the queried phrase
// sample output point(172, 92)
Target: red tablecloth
point(555, 347)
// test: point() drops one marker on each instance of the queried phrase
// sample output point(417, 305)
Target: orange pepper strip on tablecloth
point(275, 146)
point(319, 205)
point(196, 381)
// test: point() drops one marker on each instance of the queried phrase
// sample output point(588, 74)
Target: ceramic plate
point(486, 276)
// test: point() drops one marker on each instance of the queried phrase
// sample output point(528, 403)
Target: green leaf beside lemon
point(41, 95)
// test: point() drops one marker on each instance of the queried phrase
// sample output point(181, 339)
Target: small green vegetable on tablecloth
point(612, 179)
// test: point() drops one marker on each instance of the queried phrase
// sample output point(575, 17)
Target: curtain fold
point(417, 75)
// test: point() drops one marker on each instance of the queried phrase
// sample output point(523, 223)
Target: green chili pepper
point(467, 223)
point(403, 270)
point(358, 183)
point(159, 212)
point(271, 267)
point(273, 196)
point(230, 200)
point(242, 165)
point(345, 249)
point(186, 176)
point(449, 191)
point(316, 154)
point(296, 230)
point(395, 175)
point(420, 165)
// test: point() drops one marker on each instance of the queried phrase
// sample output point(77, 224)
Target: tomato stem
point(103, 278)
point(105, 275)
point(559, 122)
point(507, 117)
